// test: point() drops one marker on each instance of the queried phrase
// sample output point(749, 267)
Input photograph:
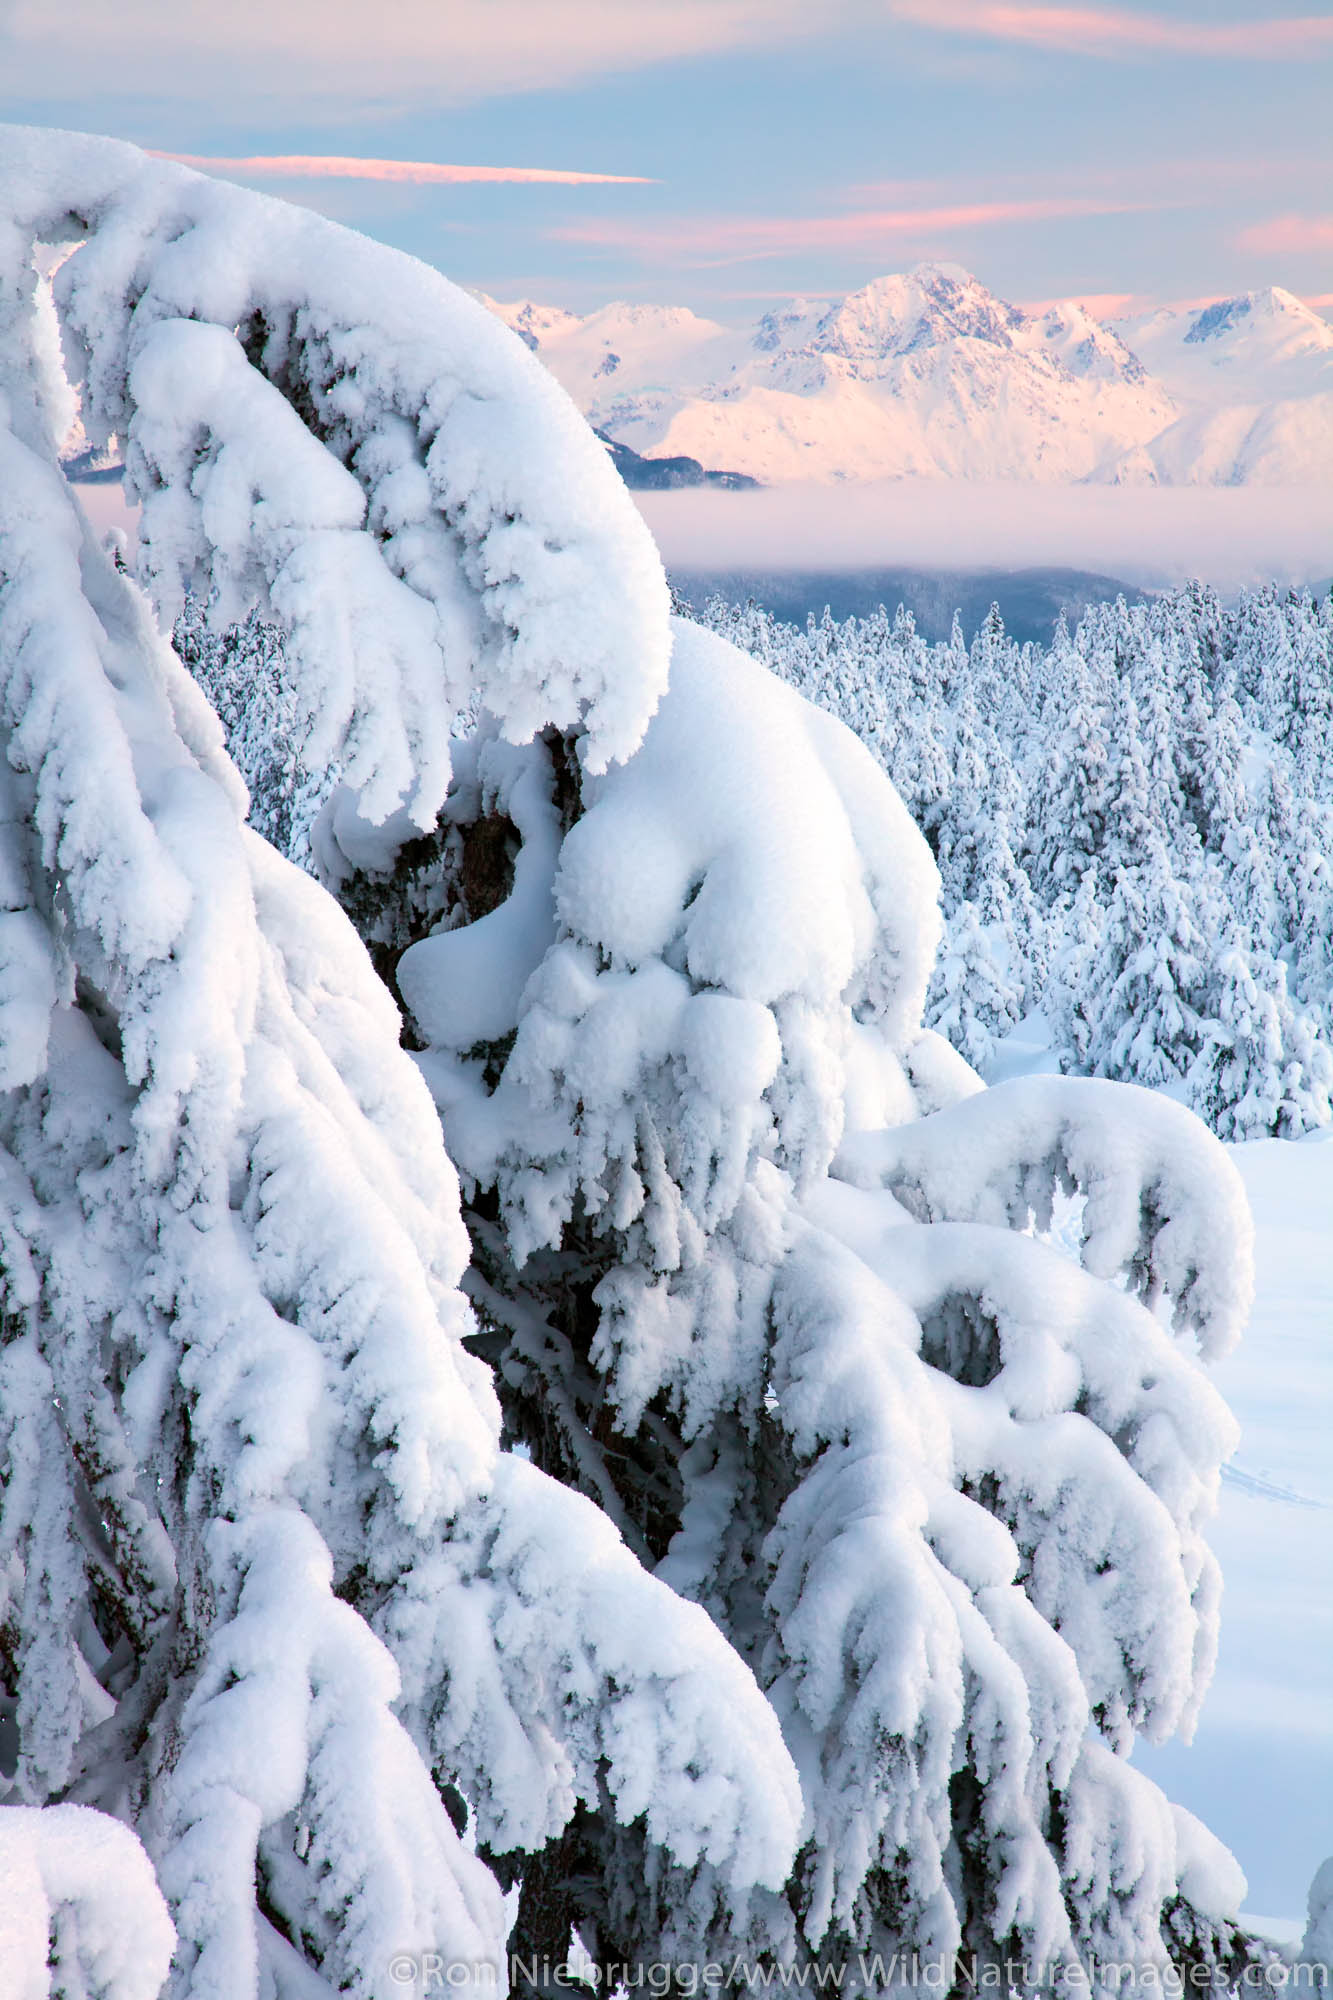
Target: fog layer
point(1150, 535)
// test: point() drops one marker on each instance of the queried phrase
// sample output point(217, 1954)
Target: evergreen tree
point(1072, 793)
point(270, 1591)
point(242, 670)
point(1209, 759)
point(1154, 687)
point(1261, 1070)
point(1317, 1945)
point(1144, 1002)
point(836, 1573)
point(1072, 999)
point(974, 997)
point(1132, 821)
point(733, 1538)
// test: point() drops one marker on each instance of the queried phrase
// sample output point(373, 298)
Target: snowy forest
point(545, 1406)
point(1132, 828)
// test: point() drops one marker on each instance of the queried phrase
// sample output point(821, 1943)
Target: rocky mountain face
point(927, 373)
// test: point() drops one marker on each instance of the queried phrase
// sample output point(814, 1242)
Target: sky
point(724, 153)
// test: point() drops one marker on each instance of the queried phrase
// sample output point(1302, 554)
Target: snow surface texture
point(927, 374)
point(703, 1105)
point(238, 1422)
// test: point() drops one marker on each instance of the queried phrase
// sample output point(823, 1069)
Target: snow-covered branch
point(1163, 1204)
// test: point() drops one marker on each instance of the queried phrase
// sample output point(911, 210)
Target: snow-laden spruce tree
point(1144, 997)
point(270, 1592)
point(1260, 1067)
point(850, 1531)
point(749, 1249)
point(975, 996)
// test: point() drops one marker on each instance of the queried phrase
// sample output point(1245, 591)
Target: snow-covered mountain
point(928, 373)
point(1253, 377)
point(1261, 347)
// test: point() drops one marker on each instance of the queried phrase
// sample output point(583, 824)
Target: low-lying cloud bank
point(1230, 536)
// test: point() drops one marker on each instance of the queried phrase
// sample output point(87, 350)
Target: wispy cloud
point(1288, 235)
point(712, 239)
point(1110, 31)
point(418, 173)
point(1130, 175)
point(335, 54)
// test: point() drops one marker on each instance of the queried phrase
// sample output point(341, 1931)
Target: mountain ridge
point(927, 373)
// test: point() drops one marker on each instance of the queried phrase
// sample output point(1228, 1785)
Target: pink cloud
point(741, 238)
point(1114, 30)
point(1288, 235)
point(419, 173)
point(1132, 177)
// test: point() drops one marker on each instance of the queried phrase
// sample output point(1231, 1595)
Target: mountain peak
point(908, 313)
point(1271, 302)
point(1069, 334)
point(1256, 348)
point(937, 272)
point(533, 323)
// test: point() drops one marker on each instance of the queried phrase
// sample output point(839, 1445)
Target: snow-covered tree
point(974, 998)
point(243, 672)
point(1317, 1946)
point(1145, 999)
point(751, 1536)
point(269, 1589)
point(1152, 685)
point(1074, 785)
point(1070, 997)
point(1209, 751)
point(1261, 1070)
point(686, 1140)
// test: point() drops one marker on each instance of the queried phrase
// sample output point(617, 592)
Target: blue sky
point(1150, 151)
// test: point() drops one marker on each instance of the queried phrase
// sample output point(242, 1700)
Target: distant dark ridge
point(88, 470)
point(657, 475)
point(1030, 600)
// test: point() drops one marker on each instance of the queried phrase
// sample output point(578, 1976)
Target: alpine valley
point(928, 374)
